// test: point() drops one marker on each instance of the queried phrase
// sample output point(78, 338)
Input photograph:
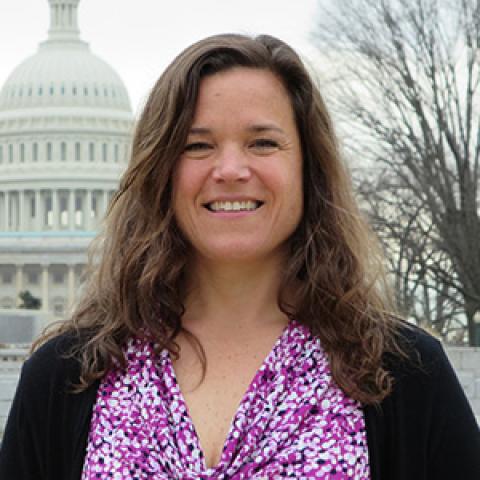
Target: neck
point(233, 299)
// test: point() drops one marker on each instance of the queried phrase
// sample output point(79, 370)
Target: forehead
point(242, 92)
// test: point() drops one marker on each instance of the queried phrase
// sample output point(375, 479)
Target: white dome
point(63, 110)
point(64, 74)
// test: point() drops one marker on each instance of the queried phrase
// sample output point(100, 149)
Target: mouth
point(233, 206)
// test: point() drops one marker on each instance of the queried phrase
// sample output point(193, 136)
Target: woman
point(234, 324)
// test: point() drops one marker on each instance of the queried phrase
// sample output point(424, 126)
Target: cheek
point(186, 185)
point(294, 184)
point(295, 192)
point(180, 197)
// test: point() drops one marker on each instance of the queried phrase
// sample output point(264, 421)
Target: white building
point(65, 131)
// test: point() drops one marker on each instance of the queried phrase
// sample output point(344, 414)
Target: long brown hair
point(137, 263)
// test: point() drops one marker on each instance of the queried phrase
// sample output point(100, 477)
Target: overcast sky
point(139, 38)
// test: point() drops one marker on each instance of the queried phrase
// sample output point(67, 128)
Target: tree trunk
point(471, 308)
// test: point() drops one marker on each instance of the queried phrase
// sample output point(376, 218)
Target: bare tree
point(423, 278)
point(407, 87)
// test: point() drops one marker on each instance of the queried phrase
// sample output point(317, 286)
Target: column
point(55, 212)
point(14, 211)
point(71, 210)
point(45, 287)
point(71, 285)
point(88, 207)
point(18, 284)
point(84, 210)
point(38, 211)
point(6, 210)
point(21, 211)
point(105, 203)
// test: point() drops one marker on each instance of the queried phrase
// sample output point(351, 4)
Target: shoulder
point(423, 379)
point(426, 385)
point(424, 354)
point(414, 336)
point(426, 423)
point(48, 423)
point(52, 364)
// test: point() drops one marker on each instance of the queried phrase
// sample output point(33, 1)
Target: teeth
point(233, 206)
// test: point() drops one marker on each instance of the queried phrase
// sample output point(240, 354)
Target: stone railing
point(466, 362)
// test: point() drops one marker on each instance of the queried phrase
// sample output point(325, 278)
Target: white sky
point(139, 38)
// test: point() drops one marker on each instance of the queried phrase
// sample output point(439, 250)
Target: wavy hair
point(136, 268)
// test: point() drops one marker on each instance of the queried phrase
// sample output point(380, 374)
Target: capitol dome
point(64, 72)
point(65, 132)
point(64, 75)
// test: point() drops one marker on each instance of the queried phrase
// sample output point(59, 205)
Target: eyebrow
point(257, 128)
point(265, 127)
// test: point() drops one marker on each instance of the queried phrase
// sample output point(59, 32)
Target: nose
point(231, 165)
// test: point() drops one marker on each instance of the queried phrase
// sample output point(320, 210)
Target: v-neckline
point(243, 404)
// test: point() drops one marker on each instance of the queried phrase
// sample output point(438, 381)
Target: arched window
point(22, 152)
point(74, 90)
point(52, 91)
point(49, 152)
point(91, 151)
point(40, 91)
point(116, 152)
point(62, 89)
point(35, 152)
point(10, 153)
point(63, 151)
point(104, 152)
point(78, 152)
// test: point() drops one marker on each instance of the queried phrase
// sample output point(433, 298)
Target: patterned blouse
point(293, 421)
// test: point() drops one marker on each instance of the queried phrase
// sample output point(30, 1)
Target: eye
point(197, 147)
point(264, 144)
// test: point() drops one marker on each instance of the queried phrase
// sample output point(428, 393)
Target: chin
point(240, 252)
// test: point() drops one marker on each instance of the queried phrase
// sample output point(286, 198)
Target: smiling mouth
point(235, 206)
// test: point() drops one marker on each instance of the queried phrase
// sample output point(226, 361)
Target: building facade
point(65, 131)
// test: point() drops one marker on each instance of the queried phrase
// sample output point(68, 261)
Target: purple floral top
point(293, 421)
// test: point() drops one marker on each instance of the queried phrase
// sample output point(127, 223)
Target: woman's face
point(238, 184)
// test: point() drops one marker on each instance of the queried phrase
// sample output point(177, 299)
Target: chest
point(213, 402)
point(292, 415)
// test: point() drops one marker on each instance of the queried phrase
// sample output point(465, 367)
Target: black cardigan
point(425, 430)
